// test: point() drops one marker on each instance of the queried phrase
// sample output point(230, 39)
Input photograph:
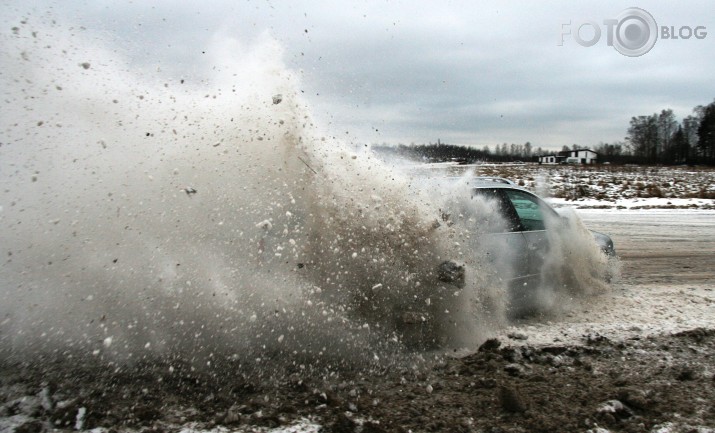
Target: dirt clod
point(511, 400)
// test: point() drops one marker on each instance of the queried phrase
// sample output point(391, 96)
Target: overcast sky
point(471, 73)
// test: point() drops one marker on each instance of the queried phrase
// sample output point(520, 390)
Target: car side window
point(508, 219)
point(528, 208)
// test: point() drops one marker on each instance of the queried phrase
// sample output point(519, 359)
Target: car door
point(504, 242)
point(532, 213)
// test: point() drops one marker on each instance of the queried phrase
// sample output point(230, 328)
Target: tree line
point(440, 152)
point(660, 138)
point(653, 139)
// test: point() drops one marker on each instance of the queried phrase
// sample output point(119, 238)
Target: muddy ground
point(639, 359)
point(628, 386)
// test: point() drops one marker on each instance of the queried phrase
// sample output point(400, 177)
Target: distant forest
point(651, 139)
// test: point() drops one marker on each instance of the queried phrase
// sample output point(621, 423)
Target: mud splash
point(210, 220)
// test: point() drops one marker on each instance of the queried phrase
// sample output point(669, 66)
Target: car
point(524, 245)
point(525, 211)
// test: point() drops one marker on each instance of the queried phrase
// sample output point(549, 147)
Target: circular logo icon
point(635, 33)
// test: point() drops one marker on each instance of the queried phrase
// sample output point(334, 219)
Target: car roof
point(482, 182)
point(477, 182)
point(491, 181)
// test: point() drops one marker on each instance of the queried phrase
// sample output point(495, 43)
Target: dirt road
point(661, 246)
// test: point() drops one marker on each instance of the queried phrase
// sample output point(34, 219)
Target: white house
point(548, 159)
point(579, 156)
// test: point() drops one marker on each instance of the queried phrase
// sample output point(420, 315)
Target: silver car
point(521, 239)
point(526, 215)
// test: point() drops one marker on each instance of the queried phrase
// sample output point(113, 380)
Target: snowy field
point(603, 186)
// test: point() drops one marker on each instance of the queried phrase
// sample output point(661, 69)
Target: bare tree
point(642, 137)
point(667, 126)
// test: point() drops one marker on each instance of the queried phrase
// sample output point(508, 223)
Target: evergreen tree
point(706, 134)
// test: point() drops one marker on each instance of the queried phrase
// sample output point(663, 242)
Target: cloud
point(467, 73)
